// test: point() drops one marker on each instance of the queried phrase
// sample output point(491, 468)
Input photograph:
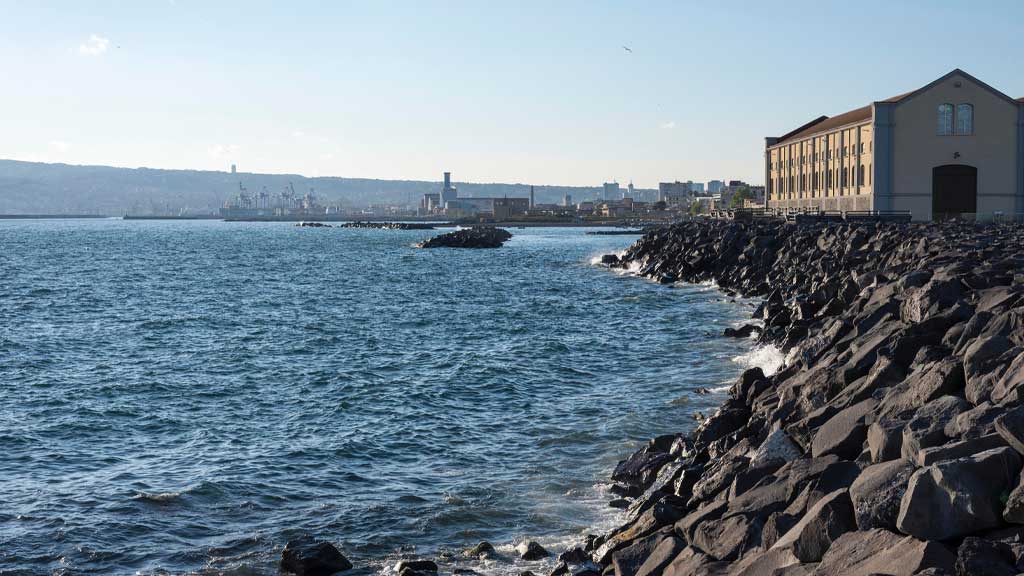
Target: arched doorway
point(954, 192)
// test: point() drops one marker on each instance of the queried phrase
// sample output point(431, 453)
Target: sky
point(538, 92)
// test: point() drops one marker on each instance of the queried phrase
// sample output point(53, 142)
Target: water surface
point(186, 396)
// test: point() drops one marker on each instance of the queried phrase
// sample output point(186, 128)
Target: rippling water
point(186, 396)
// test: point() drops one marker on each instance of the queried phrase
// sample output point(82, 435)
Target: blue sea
point(184, 397)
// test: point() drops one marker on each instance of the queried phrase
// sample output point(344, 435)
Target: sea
point(184, 397)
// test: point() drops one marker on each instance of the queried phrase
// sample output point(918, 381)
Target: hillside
point(32, 187)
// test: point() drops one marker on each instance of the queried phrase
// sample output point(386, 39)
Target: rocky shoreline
point(891, 441)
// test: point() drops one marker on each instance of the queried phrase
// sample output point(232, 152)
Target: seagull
point(627, 49)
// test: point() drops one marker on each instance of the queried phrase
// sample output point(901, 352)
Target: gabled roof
point(825, 123)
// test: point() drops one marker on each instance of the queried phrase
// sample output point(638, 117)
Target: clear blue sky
point(532, 92)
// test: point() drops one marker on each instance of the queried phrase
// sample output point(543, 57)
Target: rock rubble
point(475, 237)
point(889, 443)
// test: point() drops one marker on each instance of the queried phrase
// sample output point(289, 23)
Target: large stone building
point(954, 147)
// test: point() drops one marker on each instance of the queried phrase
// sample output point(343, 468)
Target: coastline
point(901, 370)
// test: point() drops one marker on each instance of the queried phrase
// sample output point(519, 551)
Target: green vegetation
point(740, 195)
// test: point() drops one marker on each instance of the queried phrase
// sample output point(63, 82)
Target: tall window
point(945, 120)
point(860, 176)
point(964, 119)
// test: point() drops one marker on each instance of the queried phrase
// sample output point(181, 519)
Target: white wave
point(767, 358)
point(721, 389)
point(159, 497)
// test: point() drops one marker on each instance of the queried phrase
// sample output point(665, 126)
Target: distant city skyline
point(515, 93)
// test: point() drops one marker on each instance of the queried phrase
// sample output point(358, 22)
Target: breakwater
point(890, 442)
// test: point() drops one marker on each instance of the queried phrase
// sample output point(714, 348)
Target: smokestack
point(531, 197)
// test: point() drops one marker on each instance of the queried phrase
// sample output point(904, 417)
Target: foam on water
point(766, 357)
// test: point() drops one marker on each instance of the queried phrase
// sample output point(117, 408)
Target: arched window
point(964, 119)
point(945, 120)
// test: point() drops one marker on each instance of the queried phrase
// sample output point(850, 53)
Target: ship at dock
point(285, 205)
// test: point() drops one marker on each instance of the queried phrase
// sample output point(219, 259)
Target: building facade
point(953, 148)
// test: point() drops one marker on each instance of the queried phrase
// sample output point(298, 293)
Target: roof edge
point(810, 124)
point(945, 77)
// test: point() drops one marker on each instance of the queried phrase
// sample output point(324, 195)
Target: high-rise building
point(233, 169)
point(449, 192)
point(612, 191)
point(567, 200)
point(715, 186)
point(630, 191)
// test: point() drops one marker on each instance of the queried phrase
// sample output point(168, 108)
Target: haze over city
point(570, 93)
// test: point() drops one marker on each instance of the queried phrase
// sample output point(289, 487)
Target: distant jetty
point(475, 237)
point(390, 225)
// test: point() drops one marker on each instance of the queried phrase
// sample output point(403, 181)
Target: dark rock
point(777, 447)
point(629, 558)
point(885, 440)
point(307, 556)
point(660, 557)
point(878, 551)
point(692, 562)
point(574, 555)
point(1014, 510)
point(844, 433)
point(877, 492)
point(1011, 427)
point(829, 518)
point(475, 237)
point(416, 566)
point(609, 259)
point(927, 427)
point(742, 332)
point(980, 361)
point(482, 550)
point(531, 550)
point(958, 497)
point(687, 526)
point(961, 449)
point(728, 538)
point(974, 423)
point(977, 556)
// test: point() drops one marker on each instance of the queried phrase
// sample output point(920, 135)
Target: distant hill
point(33, 188)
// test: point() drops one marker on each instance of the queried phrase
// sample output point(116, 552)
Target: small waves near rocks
point(188, 397)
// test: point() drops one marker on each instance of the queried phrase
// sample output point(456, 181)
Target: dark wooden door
point(954, 191)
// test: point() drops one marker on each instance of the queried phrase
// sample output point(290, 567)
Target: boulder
point(1008, 389)
point(927, 427)
point(416, 567)
point(627, 560)
point(777, 447)
point(306, 556)
point(531, 550)
point(878, 551)
point(693, 562)
point(482, 550)
point(660, 557)
point(977, 556)
point(981, 360)
point(1014, 511)
point(885, 440)
point(961, 449)
point(1010, 425)
point(876, 494)
point(974, 423)
point(829, 518)
point(742, 332)
point(728, 538)
point(958, 497)
point(844, 433)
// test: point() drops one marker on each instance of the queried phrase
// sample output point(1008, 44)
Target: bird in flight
point(627, 49)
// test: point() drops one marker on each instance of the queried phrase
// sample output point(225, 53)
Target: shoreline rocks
point(890, 443)
point(475, 237)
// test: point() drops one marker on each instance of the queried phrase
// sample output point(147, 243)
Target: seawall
point(890, 443)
